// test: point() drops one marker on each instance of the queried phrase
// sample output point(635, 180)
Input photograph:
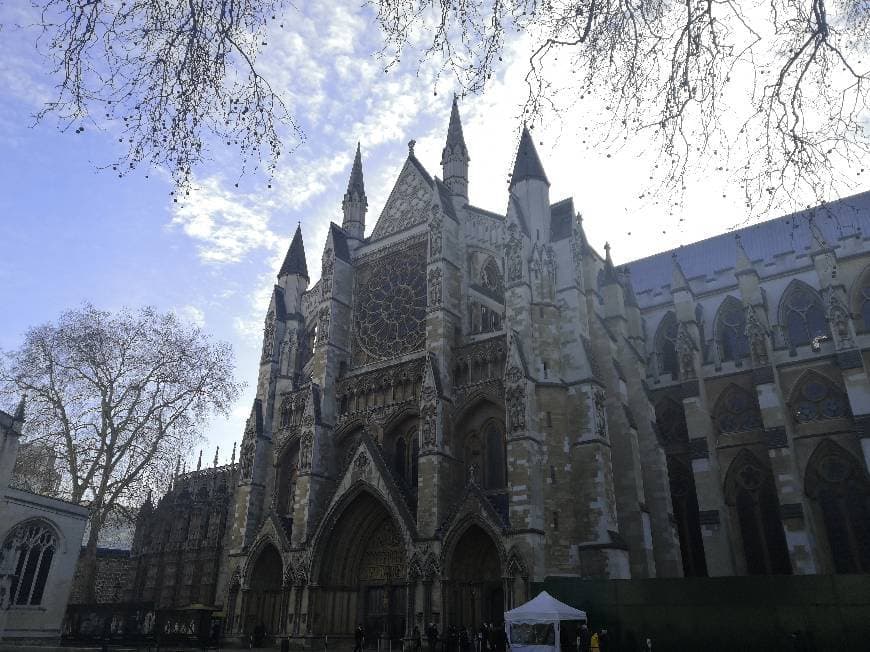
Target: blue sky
point(74, 234)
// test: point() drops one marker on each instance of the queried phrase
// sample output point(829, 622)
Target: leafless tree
point(171, 77)
point(118, 396)
point(771, 93)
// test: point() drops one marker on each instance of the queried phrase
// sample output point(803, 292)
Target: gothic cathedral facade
point(467, 402)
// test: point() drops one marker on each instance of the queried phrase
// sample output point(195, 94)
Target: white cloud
point(191, 314)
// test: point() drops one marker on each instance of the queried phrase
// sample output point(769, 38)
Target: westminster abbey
point(466, 403)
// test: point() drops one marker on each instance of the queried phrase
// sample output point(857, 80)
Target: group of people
point(487, 638)
point(598, 641)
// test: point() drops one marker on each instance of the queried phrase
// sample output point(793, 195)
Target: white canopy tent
point(542, 610)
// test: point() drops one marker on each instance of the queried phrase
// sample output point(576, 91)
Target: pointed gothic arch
point(671, 425)
point(802, 314)
point(730, 330)
point(815, 397)
point(665, 343)
point(839, 487)
point(751, 494)
point(737, 410)
point(859, 299)
point(29, 549)
point(264, 573)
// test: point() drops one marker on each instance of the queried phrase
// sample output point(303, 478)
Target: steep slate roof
point(446, 201)
point(294, 261)
point(339, 241)
point(789, 234)
point(561, 214)
point(527, 164)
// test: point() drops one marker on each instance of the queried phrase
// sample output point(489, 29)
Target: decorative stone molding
point(791, 510)
point(513, 255)
point(434, 287)
point(691, 388)
point(435, 233)
point(762, 375)
point(849, 359)
point(515, 399)
point(709, 517)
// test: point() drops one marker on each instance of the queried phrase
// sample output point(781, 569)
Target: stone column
point(793, 503)
point(708, 482)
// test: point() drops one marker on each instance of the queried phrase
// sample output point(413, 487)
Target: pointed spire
point(454, 129)
point(743, 262)
point(454, 156)
point(527, 164)
point(199, 461)
point(294, 261)
point(216, 451)
point(356, 184)
point(610, 275)
point(678, 278)
point(233, 457)
point(355, 202)
point(630, 298)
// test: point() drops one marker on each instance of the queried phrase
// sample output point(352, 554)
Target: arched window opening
point(737, 411)
point(666, 347)
point(684, 498)
point(731, 331)
point(815, 398)
point(491, 279)
point(841, 491)
point(400, 458)
point(30, 547)
point(801, 314)
point(751, 492)
point(496, 470)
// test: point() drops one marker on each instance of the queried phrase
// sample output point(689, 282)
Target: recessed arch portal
point(476, 593)
point(362, 570)
point(263, 600)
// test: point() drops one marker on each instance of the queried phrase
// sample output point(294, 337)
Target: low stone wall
point(808, 612)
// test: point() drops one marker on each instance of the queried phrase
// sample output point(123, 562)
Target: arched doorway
point(263, 603)
point(476, 587)
point(363, 573)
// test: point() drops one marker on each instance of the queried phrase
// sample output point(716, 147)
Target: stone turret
point(355, 202)
point(530, 187)
point(454, 156)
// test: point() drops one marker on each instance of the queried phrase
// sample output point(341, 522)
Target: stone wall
point(113, 577)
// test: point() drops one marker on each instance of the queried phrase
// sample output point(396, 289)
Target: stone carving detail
point(838, 318)
point(435, 287)
point(407, 205)
point(428, 426)
point(756, 334)
point(600, 413)
point(326, 273)
point(361, 462)
point(686, 352)
point(549, 270)
point(269, 337)
point(306, 451)
point(577, 253)
point(323, 326)
point(515, 399)
point(246, 456)
point(513, 255)
point(435, 233)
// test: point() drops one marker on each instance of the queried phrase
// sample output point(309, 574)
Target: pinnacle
point(454, 130)
point(527, 164)
point(356, 184)
point(294, 262)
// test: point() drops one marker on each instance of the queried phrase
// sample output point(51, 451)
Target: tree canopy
point(771, 93)
point(117, 396)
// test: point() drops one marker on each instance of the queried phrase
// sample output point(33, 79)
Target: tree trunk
point(88, 562)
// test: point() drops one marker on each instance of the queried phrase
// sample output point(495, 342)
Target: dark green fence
point(816, 612)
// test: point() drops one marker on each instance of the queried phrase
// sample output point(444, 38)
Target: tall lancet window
point(731, 331)
point(30, 547)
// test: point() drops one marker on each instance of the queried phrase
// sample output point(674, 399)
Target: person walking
point(594, 643)
point(604, 640)
point(583, 638)
point(417, 639)
point(359, 636)
point(432, 636)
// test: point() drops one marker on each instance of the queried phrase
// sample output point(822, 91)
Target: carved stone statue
point(756, 334)
point(435, 287)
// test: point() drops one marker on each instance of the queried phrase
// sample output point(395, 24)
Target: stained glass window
point(802, 315)
point(737, 411)
point(815, 398)
point(666, 349)
point(390, 306)
point(731, 331)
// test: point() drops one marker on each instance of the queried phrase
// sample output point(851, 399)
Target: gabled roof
point(561, 216)
point(294, 261)
point(527, 164)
